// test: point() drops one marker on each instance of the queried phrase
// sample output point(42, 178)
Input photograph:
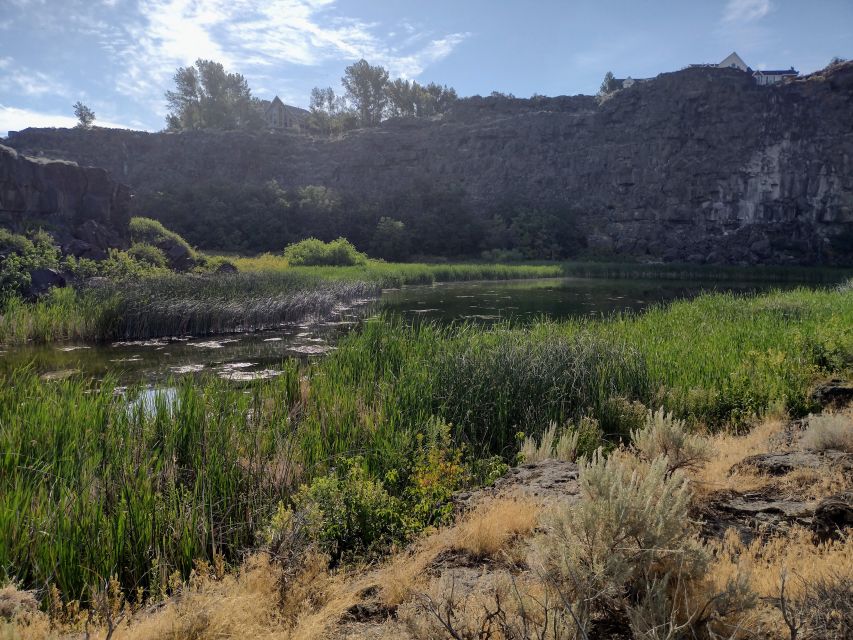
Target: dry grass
point(813, 484)
point(762, 563)
point(14, 600)
point(726, 451)
point(830, 431)
point(487, 530)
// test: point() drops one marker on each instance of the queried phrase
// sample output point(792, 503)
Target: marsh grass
point(89, 487)
point(396, 274)
point(177, 304)
point(94, 485)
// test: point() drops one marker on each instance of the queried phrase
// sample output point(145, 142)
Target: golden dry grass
point(486, 531)
point(726, 451)
point(762, 563)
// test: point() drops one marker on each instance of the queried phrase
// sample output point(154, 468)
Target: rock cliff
point(699, 165)
point(84, 209)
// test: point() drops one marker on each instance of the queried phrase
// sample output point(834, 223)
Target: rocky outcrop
point(700, 165)
point(84, 209)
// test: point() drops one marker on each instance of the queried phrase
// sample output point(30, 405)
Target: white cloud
point(15, 119)
point(740, 11)
point(252, 36)
point(28, 82)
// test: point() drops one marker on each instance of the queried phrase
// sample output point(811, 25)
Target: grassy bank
point(177, 304)
point(396, 274)
point(90, 488)
point(266, 291)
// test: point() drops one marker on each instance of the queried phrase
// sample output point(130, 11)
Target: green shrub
point(18, 256)
point(177, 250)
point(351, 516)
point(14, 243)
point(122, 265)
point(314, 252)
point(148, 254)
point(437, 473)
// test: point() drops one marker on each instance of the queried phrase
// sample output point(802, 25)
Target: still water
point(248, 356)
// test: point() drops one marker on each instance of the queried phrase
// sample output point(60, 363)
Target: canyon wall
point(84, 209)
point(699, 165)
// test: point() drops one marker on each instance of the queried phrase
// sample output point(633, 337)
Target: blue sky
point(118, 56)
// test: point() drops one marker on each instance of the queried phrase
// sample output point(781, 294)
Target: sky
point(119, 56)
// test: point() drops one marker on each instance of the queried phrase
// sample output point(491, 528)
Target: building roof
point(733, 59)
point(276, 102)
point(778, 72)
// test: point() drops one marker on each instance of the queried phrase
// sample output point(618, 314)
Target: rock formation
point(699, 165)
point(84, 209)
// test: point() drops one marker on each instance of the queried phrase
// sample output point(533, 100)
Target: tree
point(403, 98)
point(391, 239)
point(441, 97)
point(85, 116)
point(609, 84)
point(207, 96)
point(329, 112)
point(366, 88)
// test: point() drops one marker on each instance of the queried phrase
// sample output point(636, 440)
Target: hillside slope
point(699, 165)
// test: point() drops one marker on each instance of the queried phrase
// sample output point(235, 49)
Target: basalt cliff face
point(84, 208)
point(699, 165)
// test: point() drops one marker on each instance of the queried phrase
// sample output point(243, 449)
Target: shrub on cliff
point(148, 253)
point(313, 252)
point(19, 256)
point(176, 250)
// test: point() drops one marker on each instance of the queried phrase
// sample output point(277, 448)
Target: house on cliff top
point(762, 77)
point(278, 115)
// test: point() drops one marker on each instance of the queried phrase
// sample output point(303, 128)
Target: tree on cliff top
point(609, 84)
point(366, 87)
point(206, 96)
point(85, 116)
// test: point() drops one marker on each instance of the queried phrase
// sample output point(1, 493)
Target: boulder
point(834, 393)
point(834, 515)
point(83, 208)
point(42, 280)
point(226, 268)
point(780, 464)
point(180, 257)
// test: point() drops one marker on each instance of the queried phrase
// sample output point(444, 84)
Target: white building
point(765, 76)
point(733, 61)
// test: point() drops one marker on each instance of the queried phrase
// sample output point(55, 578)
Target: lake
point(248, 356)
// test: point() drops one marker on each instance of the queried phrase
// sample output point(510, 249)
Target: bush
point(18, 256)
point(148, 253)
point(313, 252)
point(629, 534)
point(574, 441)
point(437, 473)
point(349, 517)
point(121, 265)
point(827, 431)
point(177, 250)
point(665, 436)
